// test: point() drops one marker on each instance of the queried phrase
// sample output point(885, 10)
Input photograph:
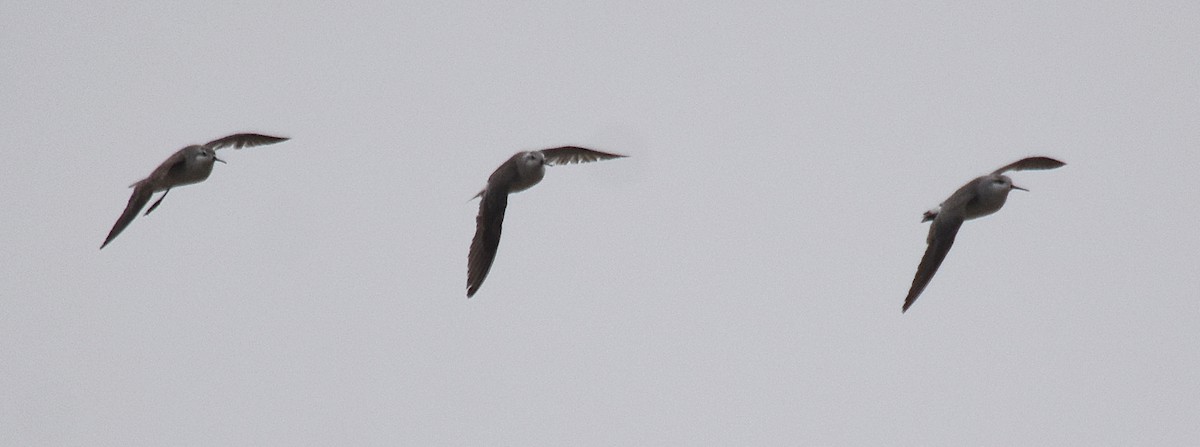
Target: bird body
point(518, 173)
point(192, 164)
point(980, 197)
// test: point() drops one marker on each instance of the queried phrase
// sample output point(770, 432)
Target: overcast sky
point(736, 281)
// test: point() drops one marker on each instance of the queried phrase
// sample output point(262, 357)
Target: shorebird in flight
point(189, 165)
point(519, 173)
point(979, 197)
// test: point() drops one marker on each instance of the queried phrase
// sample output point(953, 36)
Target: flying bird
point(979, 197)
point(189, 165)
point(520, 172)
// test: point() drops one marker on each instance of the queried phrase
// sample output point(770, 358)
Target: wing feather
point(573, 154)
point(941, 237)
point(240, 140)
point(1031, 163)
point(141, 195)
point(487, 237)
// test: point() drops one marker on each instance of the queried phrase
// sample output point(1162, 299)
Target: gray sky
point(736, 281)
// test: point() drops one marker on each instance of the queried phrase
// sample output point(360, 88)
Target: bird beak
point(1020, 188)
point(218, 159)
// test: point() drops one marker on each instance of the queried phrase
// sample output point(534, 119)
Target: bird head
point(533, 159)
point(203, 154)
point(1003, 183)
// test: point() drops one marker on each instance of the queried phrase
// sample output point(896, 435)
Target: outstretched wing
point(238, 141)
point(572, 154)
point(1025, 164)
point(141, 195)
point(941, 237)
point(487, 237)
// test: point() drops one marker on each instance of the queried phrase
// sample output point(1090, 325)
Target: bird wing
point(487, 237)
point(941, 237)
point(141, 195)
point(958, 202)
point(240, 140)
point(504, 175)
point(1030, 163)
point(172, 165)
point(572, 154)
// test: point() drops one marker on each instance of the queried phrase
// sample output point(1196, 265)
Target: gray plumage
point(520, 172)
point(979, 197)
point(186, 166)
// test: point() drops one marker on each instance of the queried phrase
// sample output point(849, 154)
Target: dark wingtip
point(107, 240)
point(1054, 161)
point(910, 299)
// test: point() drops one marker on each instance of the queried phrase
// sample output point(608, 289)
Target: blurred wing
point(1025, 164)
point(141, 195)
point(487, 237)
point(941, 237)
point(571, 154)
point(238, 141)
